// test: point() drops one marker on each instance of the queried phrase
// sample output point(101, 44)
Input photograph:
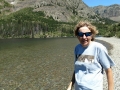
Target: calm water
point(37, 64)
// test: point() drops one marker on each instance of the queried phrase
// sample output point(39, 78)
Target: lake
point(37, 64)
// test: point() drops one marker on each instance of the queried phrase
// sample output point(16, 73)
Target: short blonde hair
point(91, 27)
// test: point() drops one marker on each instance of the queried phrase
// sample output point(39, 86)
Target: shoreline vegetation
point(31, 24)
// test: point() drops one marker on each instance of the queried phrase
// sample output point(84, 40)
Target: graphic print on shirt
point(86, 58)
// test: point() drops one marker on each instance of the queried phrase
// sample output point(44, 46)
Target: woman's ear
point(92, 37)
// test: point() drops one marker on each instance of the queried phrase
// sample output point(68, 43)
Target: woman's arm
point(72, 82)
point(110, 79)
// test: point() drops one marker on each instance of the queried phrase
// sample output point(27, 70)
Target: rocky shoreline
point(115, 42)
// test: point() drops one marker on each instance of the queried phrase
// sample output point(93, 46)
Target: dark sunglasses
point(80, 34)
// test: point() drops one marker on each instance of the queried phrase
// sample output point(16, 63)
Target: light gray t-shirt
point(89, 64)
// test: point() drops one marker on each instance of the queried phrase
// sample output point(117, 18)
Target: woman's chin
point(85, 44)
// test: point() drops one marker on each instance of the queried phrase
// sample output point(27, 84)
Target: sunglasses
point(80, 34)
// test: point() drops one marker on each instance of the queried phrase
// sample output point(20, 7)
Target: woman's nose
point(84, 36)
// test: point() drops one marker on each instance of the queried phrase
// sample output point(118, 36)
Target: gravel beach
point(116, 57)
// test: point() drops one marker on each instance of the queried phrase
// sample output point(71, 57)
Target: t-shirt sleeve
point(104, 59)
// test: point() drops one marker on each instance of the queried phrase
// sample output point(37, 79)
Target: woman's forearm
point(72, 82)
point(70, 86)
point(110, 79)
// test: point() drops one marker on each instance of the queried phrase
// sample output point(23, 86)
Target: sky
point(92, 3)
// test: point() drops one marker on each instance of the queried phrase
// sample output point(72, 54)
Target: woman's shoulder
point(98, 45)
point(78, 46)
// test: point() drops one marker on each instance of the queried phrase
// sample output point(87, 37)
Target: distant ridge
point(68, 10)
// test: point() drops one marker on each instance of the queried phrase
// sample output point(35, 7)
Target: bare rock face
point(68, 10)
point(60, 10)
point(112, 12)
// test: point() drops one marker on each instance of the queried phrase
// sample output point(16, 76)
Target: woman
point(91, 58)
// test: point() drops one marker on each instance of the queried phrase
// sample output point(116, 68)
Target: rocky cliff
point(67, 10)
point(112, 12)
point(61, 10)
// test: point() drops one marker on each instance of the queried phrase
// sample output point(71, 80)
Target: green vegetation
point(108, 29)
point(27, 23)
point(4, 6)
point(4, 3)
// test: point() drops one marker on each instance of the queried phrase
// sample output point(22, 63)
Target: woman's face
point(84, 36)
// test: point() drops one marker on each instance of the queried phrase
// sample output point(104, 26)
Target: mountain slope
point(5, 7)
point(112, 12)
point(68, 10)
point(60, 10)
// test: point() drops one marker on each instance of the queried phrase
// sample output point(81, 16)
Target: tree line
point(27, 23)
point(109, 29)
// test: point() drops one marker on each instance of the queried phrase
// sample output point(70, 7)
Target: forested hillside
point(29, 22)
